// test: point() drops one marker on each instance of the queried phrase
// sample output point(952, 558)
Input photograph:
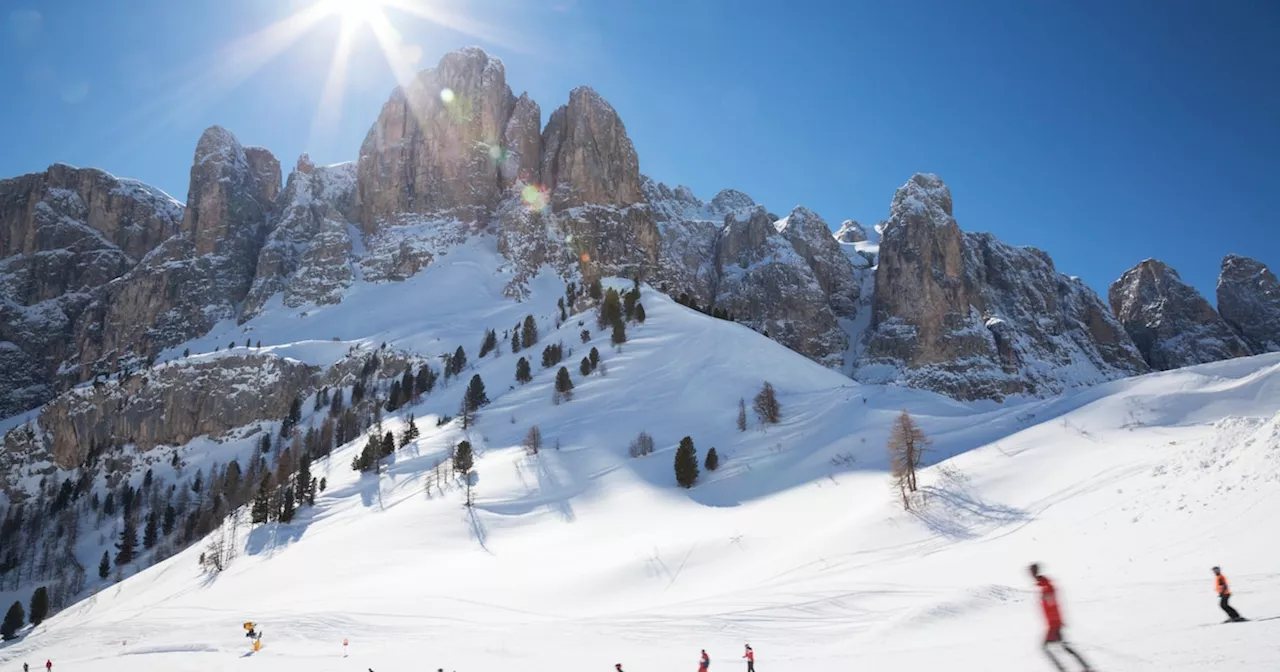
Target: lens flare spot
point(586, 258)
point(534, 197)
point(446, 94)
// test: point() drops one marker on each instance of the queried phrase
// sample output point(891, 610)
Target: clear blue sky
point(1104, 132)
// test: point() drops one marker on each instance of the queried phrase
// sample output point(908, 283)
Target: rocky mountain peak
point(304, 165)
point(731, 199)
point(1249, 301)
point(851, 232)
point(587, 156)
point(522, 143)
point(925, 197)
point(231, 193)
point(437, 144)
point(1170, 322)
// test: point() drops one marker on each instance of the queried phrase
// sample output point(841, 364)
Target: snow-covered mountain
point(174, 369)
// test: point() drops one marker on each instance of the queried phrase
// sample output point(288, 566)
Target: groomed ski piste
point(583, 557)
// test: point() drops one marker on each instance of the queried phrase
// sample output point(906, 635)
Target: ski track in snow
point(583, 557)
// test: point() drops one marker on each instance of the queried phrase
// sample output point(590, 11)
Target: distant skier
point(1224, 596)
point(26, 668)
point(705, 663)
point(618, 667)
point(48, 665)
point(751, 659)
point(249, 630)
point(1053, 617)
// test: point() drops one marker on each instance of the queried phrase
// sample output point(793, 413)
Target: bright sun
point(354, 12)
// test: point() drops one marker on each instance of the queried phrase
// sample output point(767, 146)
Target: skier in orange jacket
point(1224, 596)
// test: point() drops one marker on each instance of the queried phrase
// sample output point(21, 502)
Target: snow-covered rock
point(1249, 301)
point(689, 229)
point(306, 255)
point(973, 318)
point(1171, 323)
point(851, 232)
point(64, 234)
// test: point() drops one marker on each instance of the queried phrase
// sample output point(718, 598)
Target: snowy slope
point(582, 557)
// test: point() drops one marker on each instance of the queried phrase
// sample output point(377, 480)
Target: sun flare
point(353, 12)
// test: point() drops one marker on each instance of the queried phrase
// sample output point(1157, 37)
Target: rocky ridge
point(1249, 301)
point(1171, 323)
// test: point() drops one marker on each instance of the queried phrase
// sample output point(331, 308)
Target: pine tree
point(766, 405)
point(388, 444)
point(523, 373)
point(594, 355)
point(585, 335)
point(907, 445)
point(186, 352)
point(619, 335)
point(261, 511)
point(641, 445)
point(302, 480)
point(335, 404)
point(109, 505)
point(170, 517)
point(426, 379)
point(640, 313)
point(459, 361)
point(104, 567)
point(287, 506)
point(629, 303)
point(476, 397)
point(742, 415)
point(515, 341)
point(563, 315)
point(585, 367)
point(14, 619)
point(259, 344)
point(551, 355)
point(610, 310)
point(324, 483)
point(529, 333)
point(463, 461)
point(490, 342)
point(596, 290)
point(151, 532)
point(570, 294)
point(564, 384)
point(39, 605)
point(686, 463)
point(407, 386)
point(393, 401)
point(713, 460)
point(128, 543)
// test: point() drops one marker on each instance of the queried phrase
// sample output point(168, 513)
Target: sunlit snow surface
point(582, 557)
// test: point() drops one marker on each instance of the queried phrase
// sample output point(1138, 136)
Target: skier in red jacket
point(705, 663)
point(1053, 618)
point(751, 659)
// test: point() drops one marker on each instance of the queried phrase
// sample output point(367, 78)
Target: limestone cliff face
point(1249, 301)
point(171, 404)
point(200, 276)
point(64, 235)
point(1171, 323)
point(436, 148)
point(971, 317)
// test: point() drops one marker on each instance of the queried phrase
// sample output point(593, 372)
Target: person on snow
point(26, 668)
point(249, 630)
point(1224, 596)
point(1053, 618)
point(751, 659)
point(48, 665)
point(705, 663)
point(618, 667)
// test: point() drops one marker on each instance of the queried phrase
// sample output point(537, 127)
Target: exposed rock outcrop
point(592, 173)
point(688, 230)
point(974, 318)
point(200, 276)
point(766, 283)
point(851, 232)
point(171, 404)
point(436, 148)
point(1171, 323)
point(1249, 301)
point(64, 234)
point(306, 255)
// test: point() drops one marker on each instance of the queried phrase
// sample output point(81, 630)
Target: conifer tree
point(14, 619)
point(463, 460)
point(393, 400)
point(529, 333)
point(388, 444)
point(551, 355)
point(563, 315)
point(629, 303)
point(595, 358)
point(640, 313)
point(186, 352)
point(151, 532)
point(515, 341)
point(585, 335)
point(336, 403)
point(570, 294)
point(564, 384)
point(324, 483)
point(523, 374)
point(490, 342)
point(104, 567)
point(302, 480)
point(585, 367)
point(109, 505)
point(596, 290)
point(39, 605)
point(287, 506)
point(476, 397)
point(742, 415)
point(170, 517)
point(713, 460)
point(426, 379)
point(261, 511)
point(407, 386)
point(619, 335)
point(686, 464)
point(459, 361)
point(128, 543)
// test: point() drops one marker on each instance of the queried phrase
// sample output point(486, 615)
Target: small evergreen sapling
point(523, 373)
point(619, 335)
point(713, 460)
point(104, 567)
point(564, 384)
point(585, 367)
point(529, 332)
